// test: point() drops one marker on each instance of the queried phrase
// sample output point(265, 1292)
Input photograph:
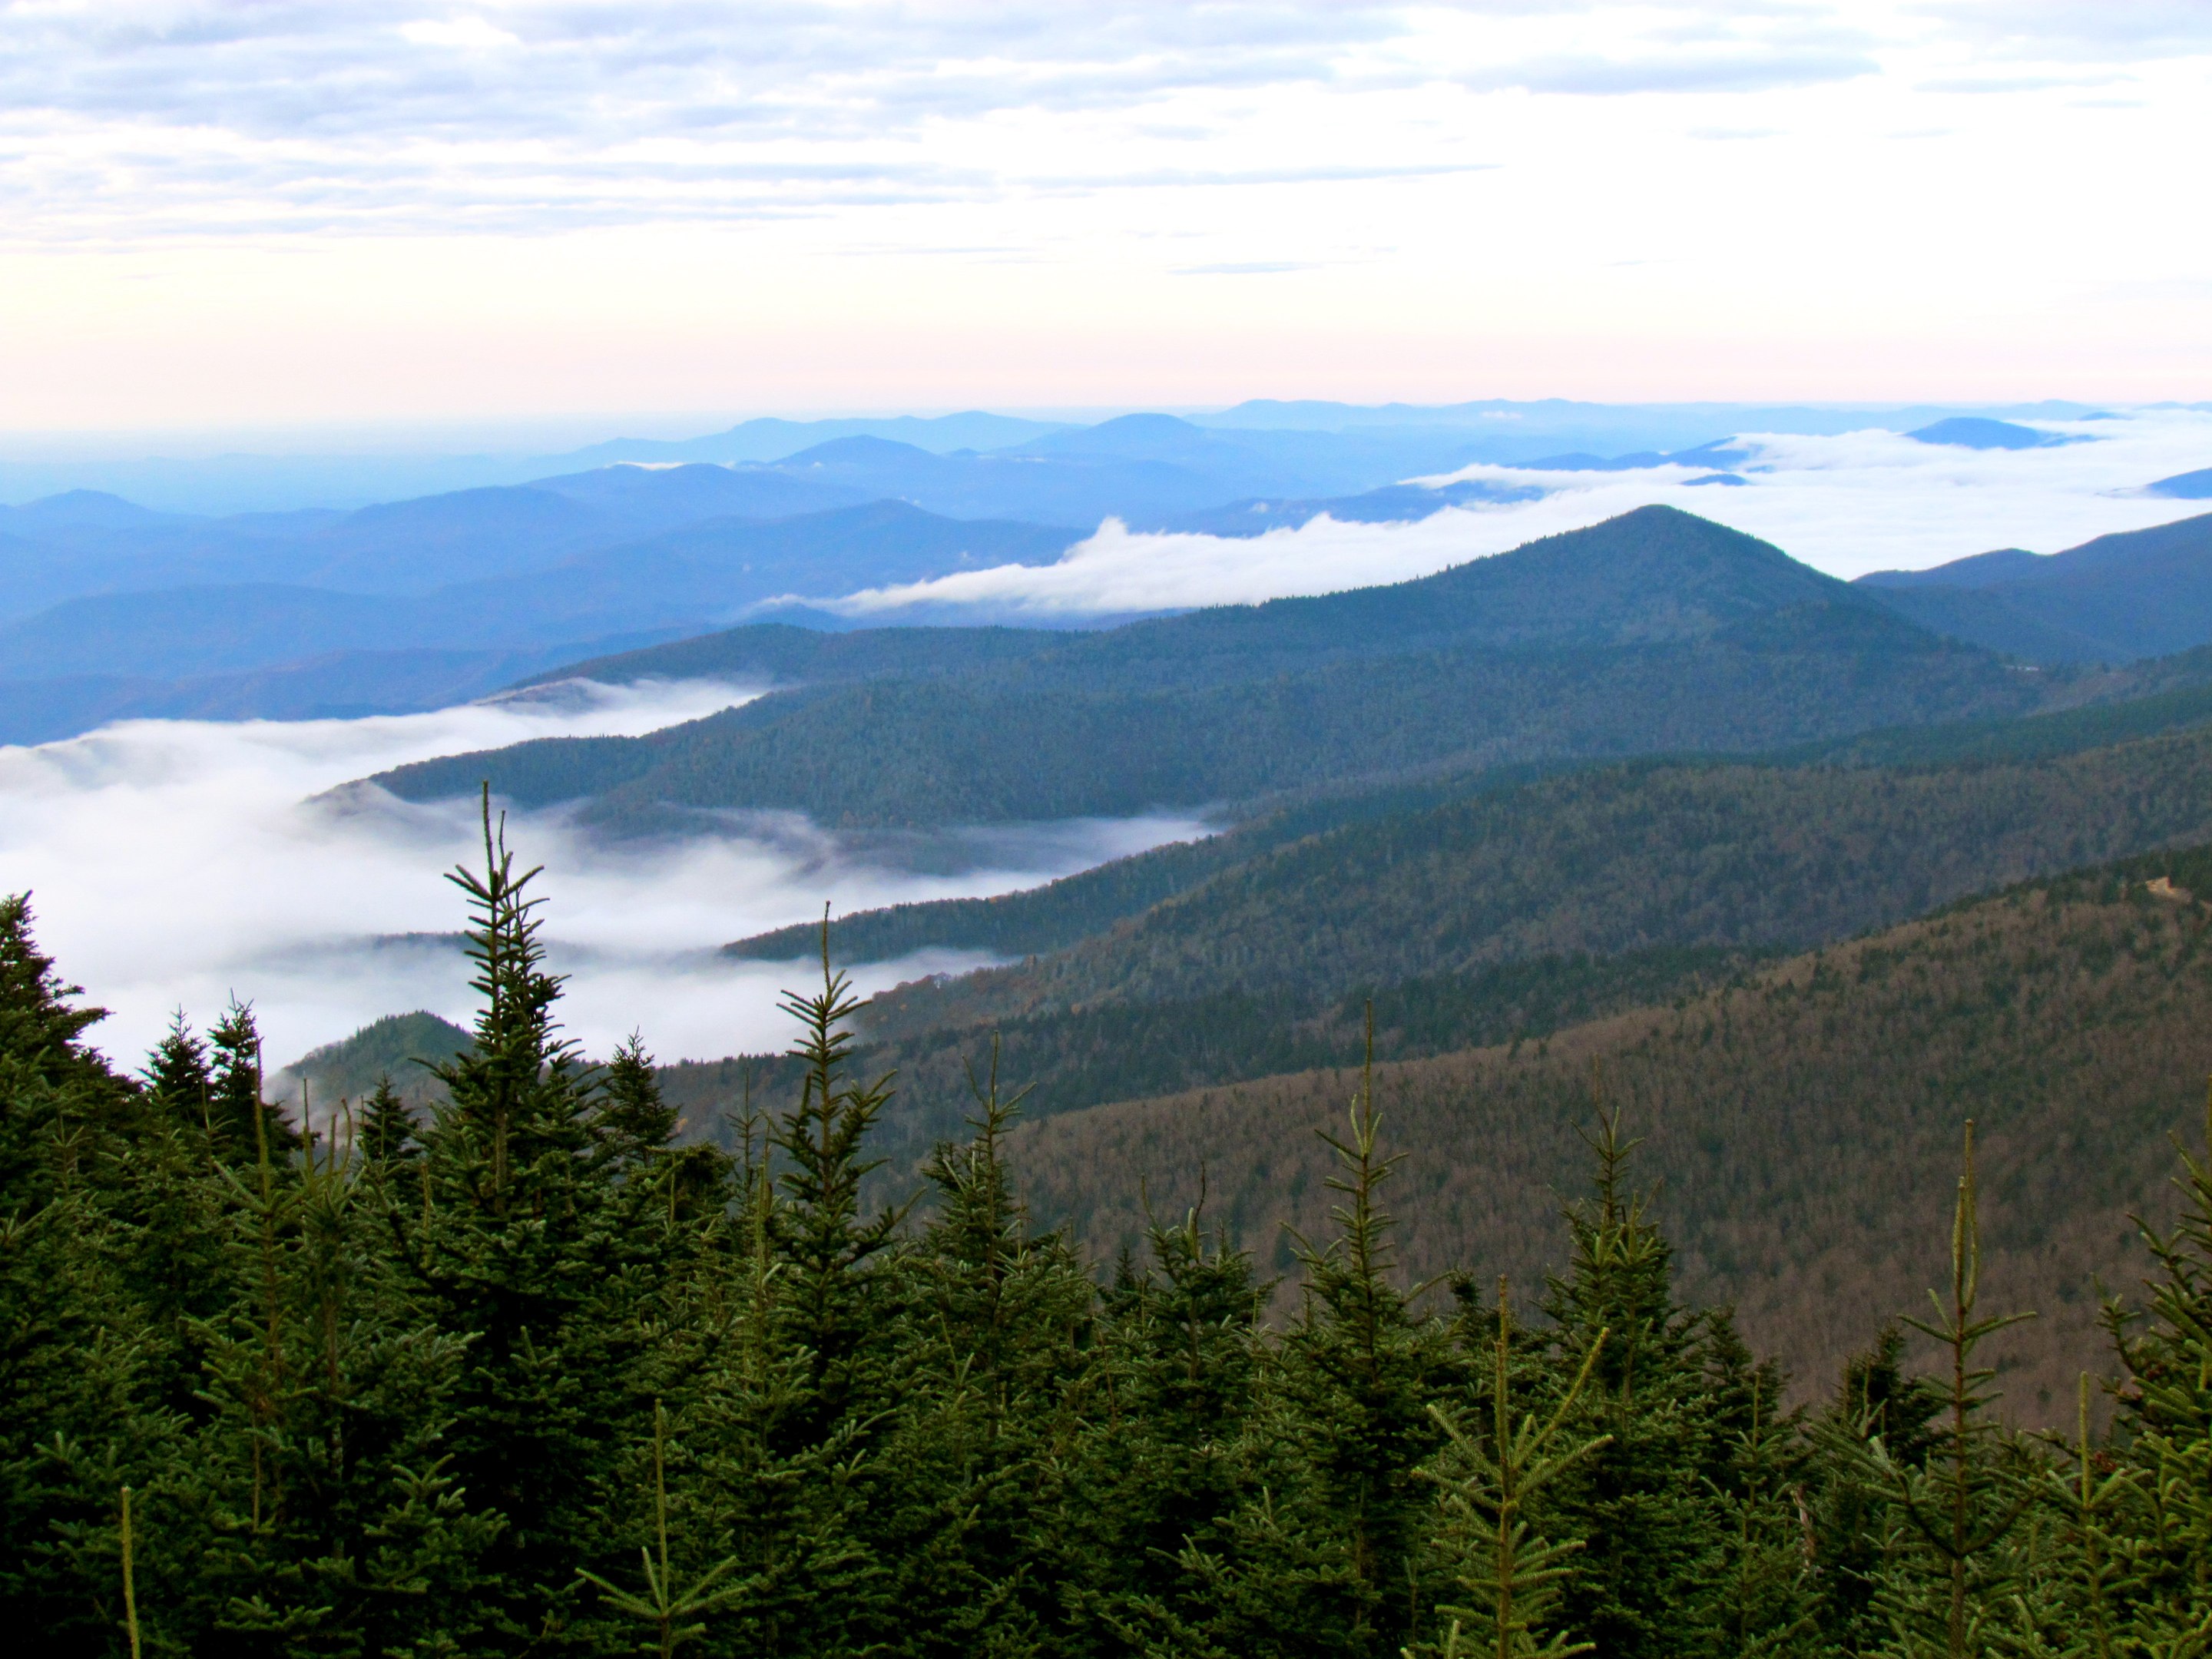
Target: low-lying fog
point(181, 862)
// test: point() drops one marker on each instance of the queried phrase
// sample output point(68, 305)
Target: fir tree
point(1651, 1584)
point(240, 1118)
point(385, 1133)
point(1956, 1510)
point(177, 1076)
point(524, 1243)
point(1335, 1556)
point(38, 1025)
point(1492, 1473)
point(837, 1297)
point(2159, 1536)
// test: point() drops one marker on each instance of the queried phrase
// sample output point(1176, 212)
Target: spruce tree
point(1875, 1399)
point(239, 1117)
point(329, 1519)
point(1492, 1470)
point(177, 1079)
point(1159, 1463)
point(1651, 1581)
point(522, 1241)
point(995, 1338)
point(1953, 1512)
point(39, 1025)
point(386, 1129)
point(1335, 1557)
point(839, 1296)
point(73, 1361)
point(2158, 1529)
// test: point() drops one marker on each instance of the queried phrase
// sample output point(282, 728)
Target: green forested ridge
point(950, 750)
point(1508, 913)
point(1654, 632)
point(1796, 1122)
point(524, 1376)
point(1060, 913)
point(399, 1048)
point(769, 654)
point(2137, 593)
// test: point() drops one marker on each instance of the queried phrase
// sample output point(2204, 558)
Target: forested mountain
point(2138, 594)
point(1800, 1124)
point(1655, 631)
point(398, 1051)
point(1060, 913)
point(1506, 912)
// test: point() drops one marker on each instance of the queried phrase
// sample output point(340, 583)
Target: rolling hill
point(1801, 1127)
point(159, 646)
point(1654, 631)
point(2138, 594)
point(1503, 913)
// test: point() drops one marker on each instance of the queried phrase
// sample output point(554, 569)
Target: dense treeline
point(1118, 1051)
point(523, 1376)
point(2164, 696)
point(1507, 912)
point(1798, 1124)
point(919, 753)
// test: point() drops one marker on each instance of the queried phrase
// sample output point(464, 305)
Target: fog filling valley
point(182, 863)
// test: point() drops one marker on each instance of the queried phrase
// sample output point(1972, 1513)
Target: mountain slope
point(1063, 913)
point(1655, 631)
point(976, 750)
point(1802, 1129)
point(1513, 910)
point(2138, 594)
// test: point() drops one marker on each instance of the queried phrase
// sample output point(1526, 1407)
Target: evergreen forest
point(521, 1371)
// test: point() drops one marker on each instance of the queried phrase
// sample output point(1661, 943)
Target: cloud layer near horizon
point(183, 862)
point(320, 209)
point(1847, 504)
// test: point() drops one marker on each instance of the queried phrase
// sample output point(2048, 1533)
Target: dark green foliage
point(386, 1128)
point(521, 1375)
point(1653, 1568)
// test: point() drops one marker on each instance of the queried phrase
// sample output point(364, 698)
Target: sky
point(274, 211)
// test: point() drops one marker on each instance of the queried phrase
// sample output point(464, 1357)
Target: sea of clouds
point(1847, 504)
point(178, 863)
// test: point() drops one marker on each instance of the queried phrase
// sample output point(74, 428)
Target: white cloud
point(229, 212)
point(462, 32)
point(179, 862)
point(1865, 500)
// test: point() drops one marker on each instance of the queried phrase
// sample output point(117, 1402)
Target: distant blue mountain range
point(1497, 429)
point(109, 607)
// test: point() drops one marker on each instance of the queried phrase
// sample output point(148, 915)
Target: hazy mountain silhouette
point(2137, 593)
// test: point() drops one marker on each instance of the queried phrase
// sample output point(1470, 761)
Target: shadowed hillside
point(1654, 631)
point(1801, 1127)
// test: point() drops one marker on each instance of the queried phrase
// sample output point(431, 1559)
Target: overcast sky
point(259, 211)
